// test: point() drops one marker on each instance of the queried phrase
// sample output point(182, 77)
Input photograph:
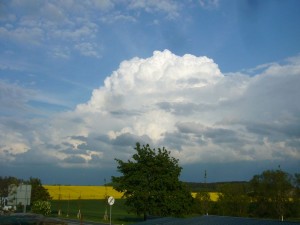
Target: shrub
point(42, 207)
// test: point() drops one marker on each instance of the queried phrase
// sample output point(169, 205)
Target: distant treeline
point(271, 194)
point(211, 187)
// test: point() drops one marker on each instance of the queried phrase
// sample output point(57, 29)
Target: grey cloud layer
point(183, 103)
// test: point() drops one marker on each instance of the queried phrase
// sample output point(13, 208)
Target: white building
point(19, 195)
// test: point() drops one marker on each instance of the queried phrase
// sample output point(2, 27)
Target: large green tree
point(38, 192)
point(296, 198)
point(272, 191)
point(150, 182)
point(204, 202)
point(233, 199)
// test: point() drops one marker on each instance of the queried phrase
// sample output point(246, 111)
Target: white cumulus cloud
point(184, 103)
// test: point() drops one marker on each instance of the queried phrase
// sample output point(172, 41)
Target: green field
point(93, 210)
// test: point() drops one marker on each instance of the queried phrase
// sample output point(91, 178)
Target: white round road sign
point(111, 200)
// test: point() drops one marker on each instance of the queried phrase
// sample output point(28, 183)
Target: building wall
point(19, 195)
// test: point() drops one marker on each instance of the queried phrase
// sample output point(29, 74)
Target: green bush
point(42, 207)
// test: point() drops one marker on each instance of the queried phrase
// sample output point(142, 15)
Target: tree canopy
point(271, 194)
point(150, 183)
point(272, 191)
point(233, 199)
point(38, 192)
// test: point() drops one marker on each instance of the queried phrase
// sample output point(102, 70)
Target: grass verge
point(93, 210)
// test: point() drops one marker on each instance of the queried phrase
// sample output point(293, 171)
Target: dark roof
point(215, 220)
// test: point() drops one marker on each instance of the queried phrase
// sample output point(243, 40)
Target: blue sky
point(214, 81)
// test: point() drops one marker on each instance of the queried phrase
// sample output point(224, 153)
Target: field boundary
point(72, 192)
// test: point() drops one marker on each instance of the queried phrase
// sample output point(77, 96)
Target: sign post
point(110, 201)
point(19, 194)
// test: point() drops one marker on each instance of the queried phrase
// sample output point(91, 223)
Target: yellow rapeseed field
point(69, 192)
point(66, 192)
point(213, 195)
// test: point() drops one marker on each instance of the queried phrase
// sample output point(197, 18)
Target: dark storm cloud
point(15, 124)
point(177, 140)
point(280, 130)
point(80, 138)
point(124, 113)
point(33, 157)
point(128, 139)
point(216, 135)
point(74, 159)
point(72, 151)
point(96, 160)
point(223, 136)
point(52, 146)
point(190, 127)
point(179, 108)
point(67, 144)
point(124, 140)
point(84, 147)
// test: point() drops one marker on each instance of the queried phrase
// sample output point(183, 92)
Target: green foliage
point(233, 200)
point(151, 185)
point(297, 185)
point(204, 202)
point(41, 207)
point(272, 193)
point(210, 187)
point(296, 198)
point(38, 192)
point(4, 185)
point(94, 210)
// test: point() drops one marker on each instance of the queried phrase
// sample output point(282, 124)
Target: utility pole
point(206, 201)
point(105, 217)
